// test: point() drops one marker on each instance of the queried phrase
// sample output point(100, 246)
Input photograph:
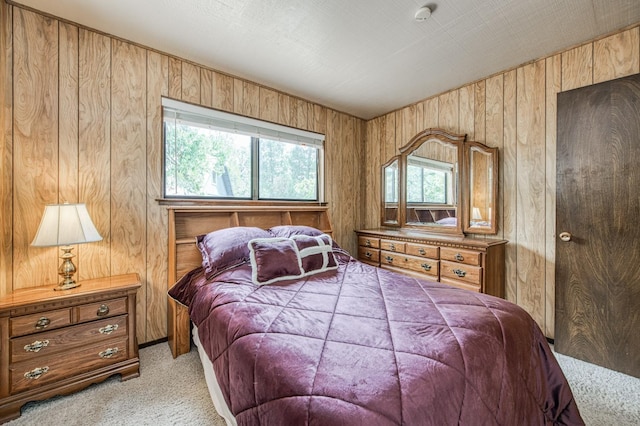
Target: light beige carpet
point(173, 392)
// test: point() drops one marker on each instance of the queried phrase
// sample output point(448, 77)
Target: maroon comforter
point(365, 346)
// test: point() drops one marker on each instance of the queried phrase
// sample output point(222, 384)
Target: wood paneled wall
point(516, 112)
point(81, 122)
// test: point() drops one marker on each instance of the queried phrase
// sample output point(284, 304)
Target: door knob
point(565, 236)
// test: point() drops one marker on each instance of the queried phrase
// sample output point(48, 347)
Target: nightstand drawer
point(104, 309)
point(47, 343)
point(35, 323)
point(35, 373)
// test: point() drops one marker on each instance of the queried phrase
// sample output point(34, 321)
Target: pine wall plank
point(6, 148)
point(68, 127)
point(94, 156)
point(530, 203)
point(616, 56)
point(35, 144)
point(553, 85)
point(128, 168)
point(157, 237)
point(88, 125)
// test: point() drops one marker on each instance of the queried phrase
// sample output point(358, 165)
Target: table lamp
point(64, 225)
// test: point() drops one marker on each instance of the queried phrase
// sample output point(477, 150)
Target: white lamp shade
point(65, 224)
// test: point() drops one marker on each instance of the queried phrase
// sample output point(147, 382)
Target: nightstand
point(58, 342)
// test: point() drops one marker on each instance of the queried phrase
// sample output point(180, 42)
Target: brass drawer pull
point(426, 266)
point(422, 252)
point(36, 373)
point(108, 353)
point(36, 346)
point(459, 272)
point(102, 310)
point(108, 329)
point(368, 254)
point(392, 247)
point(43, 322)
point(367, 243)
point(389, 259)
point(459, 257)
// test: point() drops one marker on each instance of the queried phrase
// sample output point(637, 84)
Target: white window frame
point(234, 123)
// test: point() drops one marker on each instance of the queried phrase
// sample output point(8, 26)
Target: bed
point(293, 330)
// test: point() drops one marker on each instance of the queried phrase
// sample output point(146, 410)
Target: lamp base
point(66, 270)
point(67, 286)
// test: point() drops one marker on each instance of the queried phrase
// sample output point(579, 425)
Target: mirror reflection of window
point(429, 181)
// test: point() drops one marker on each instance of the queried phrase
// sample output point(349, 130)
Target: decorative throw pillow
point(287, 231)
point(316, 253)
point(274, 259)
point(226, 248)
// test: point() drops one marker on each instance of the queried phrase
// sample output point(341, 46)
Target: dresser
point(58, 342)
point(469, 263)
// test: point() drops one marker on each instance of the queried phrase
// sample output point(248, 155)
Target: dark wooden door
point(598, 204)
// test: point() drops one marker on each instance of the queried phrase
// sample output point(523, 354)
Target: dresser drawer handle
point(392, 247)
point(422, 252)
point(36, 373)
point(368, 254)
point(389, 259)
point(108, 329)
point(102, 310)
point(108, 353)
point(367, 243)
point(458, 257)
point(426, 266)
point(36, 346)
point(42, 323)
point(459, 272)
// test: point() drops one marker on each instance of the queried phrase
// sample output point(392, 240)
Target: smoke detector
point(423, 13)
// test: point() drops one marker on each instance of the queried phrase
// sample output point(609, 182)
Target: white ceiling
point(363, 57)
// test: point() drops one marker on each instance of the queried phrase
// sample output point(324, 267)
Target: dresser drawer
point(461, 284)
point(369, 242)
point(391, 259)
point(369, 254)
point(34, 323)
point(391, 245)
point(104, 309)
point(34, 373)
point(426, 266)
point(423, 250)
point(49, 342)
point(462, 256)
point(460, 272)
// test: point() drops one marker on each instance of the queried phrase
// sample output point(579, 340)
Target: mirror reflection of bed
point(431, 215)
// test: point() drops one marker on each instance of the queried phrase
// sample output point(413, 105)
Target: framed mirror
point(442, 184)
point(391, 192)
point(481, 163)
point(431, 181)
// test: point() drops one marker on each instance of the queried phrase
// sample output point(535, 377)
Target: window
point(214, 154)
point(430, 181)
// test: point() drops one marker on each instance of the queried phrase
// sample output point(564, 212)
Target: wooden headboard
point(185, 223)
